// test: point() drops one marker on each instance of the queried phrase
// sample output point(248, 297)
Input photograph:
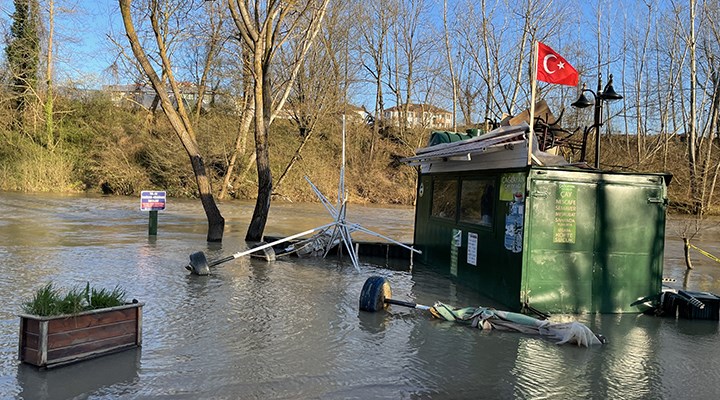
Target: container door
point(630, 228)
point(558, 273)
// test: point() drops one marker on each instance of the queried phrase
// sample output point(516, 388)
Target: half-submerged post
point(152, 201)
point(152, 224)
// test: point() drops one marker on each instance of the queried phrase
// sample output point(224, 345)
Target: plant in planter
point(58, 329)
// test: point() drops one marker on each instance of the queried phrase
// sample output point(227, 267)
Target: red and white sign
point(152, 200)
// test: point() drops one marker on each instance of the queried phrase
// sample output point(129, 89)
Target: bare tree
point(495, 37)
point(207, 38)
point(49, 128)
point(264, 29)
point(317, 92)
point(692, 122)
point(374, 30)
point(178, 117)
point(477, 44)
point(246, 104)
point(713, 131)
point(451, 68)
point(700, 121)
point(640, 46)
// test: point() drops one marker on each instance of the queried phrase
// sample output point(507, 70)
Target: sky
point(82, 50)
point(82, 28)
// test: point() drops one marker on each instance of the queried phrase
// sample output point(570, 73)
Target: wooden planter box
point(52, 341)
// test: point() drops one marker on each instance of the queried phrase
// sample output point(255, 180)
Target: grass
point(44, 302)
point(49, 301)
point(103, 298)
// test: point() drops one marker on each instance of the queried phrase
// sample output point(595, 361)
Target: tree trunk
point(213, 43)
point(261, 34)
point(49, 127)
point(686, 249)
point(240, 144)
point(262, 122)
point(713, 132)
point(692, 123)
point(379, 105)
point(216, 222)
point(241, 176)
point(450, 68)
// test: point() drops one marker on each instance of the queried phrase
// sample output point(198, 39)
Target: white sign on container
point(472, 248)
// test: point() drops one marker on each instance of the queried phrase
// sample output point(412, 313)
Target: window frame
point(435, 182)
point(489, 182)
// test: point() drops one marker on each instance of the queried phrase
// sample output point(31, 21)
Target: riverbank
point(103, 148)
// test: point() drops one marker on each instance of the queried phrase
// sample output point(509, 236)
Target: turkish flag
point(552, 68)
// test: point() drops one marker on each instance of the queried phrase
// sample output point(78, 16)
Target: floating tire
point(198, 264)
point(374, 292)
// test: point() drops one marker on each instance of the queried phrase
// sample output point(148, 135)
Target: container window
point(476, 201)
point(444, 201)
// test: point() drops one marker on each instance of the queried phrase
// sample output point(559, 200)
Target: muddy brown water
point(291, 329)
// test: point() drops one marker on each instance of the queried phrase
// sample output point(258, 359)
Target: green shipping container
point(558, 239)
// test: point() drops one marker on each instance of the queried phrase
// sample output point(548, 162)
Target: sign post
point(152, 223)
point(152, 201)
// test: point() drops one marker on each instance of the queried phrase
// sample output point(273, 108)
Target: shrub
point(48, 300)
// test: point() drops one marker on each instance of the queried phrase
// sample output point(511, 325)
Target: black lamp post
point(607, 94)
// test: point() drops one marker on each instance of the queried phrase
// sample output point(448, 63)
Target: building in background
point(143, 95)
point(419, 116)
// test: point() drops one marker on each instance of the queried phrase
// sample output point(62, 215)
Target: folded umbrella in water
point(489, 318)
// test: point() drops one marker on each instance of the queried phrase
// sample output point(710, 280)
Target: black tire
point(198, 264)
point(374, 292)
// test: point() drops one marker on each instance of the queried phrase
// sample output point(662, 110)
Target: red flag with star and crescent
point(552, 68)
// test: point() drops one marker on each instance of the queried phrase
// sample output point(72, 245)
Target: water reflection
point(119, 370)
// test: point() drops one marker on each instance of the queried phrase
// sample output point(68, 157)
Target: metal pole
point(598, 120)
point(533, 90)
point(583, 149)
point(153, 223)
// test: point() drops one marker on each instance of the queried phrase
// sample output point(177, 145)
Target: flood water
point(291, 329)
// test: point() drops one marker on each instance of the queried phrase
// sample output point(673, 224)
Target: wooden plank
point(32, 341)
point(31, 325)
point(138, 333)
point(541, 111)
point(89, 312)
point(30, 356)
point(21, 338)
point(42, 357)
point(84, 321)
point(94, 354)
point(84, 335)
point(94, 348)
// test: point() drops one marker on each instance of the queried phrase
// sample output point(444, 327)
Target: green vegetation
point(120, 151)
point(23, 53)
point(44, 302)
point(105, 148)
point(49, 301)
point(104, 298)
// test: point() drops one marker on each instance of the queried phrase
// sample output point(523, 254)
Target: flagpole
point(533, 89)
